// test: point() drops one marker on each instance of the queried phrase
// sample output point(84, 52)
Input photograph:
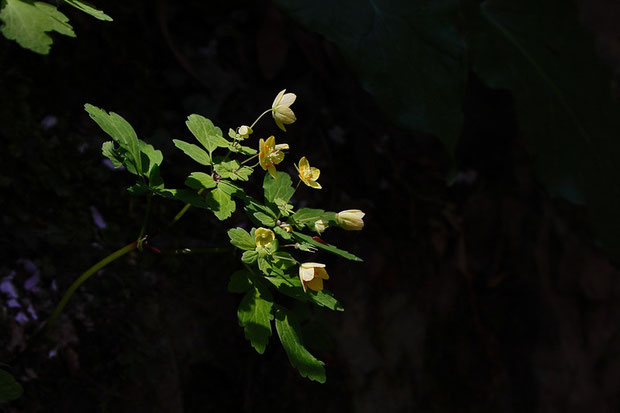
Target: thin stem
point(249, 159)
point(184, 251)
point(261, 115)
point(146, 220)
point(85, 276)
point(182, 211)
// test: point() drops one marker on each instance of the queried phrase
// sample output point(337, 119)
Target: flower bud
point(350, 219)
point(321, 225)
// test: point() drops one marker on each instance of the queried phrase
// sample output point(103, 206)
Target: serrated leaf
point(282, 233)
point(10, 389)
point(255, 317)
point(28, 22)
point(244, 150)
point(220, 203)
point(240, 238)
point(200, 180)
point(290, 336)
point(209, 135)
point(264, 219)
point(193, 151)
point(233, 170)
point(308, 216)
point(408, 54)
point(109, 151)
point(249, 257)
point(278, 188)
point(334, 250)
point(89, 9)
point(239, 282)
point(121, 131)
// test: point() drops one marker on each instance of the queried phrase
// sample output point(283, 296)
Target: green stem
point(182, 211)
point(249, 159)
point(146, 220)
point(85, 276)
point(261, 115)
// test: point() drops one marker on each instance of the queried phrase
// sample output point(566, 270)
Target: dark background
point(487, 295)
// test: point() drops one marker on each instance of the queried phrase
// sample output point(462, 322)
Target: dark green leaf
point(264, 219)
point(108, 150)
point(408, 54)
point(308, 239)
point(282, 233)
point(300, 358)
point(184, 195)
point(233, 170)
point(255, 317)
point(9, 388)
point(325, 299)
point(308, 216)
point(239, 282)
point(193, 151)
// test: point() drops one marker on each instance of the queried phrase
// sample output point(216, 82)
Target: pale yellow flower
point(263, 237)
point(350, 219)
point(312, 275)
point(308, 174)
point(281, 109)
point(320, 226)
point(286, 227)
point(270, 154)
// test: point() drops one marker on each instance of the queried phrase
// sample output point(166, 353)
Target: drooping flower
point(270, 154)
point(312, 275)
point(321, 225)
point(281, 109)
point(286, 227)
point(308, 174)
point(350, 219)
point(263, 237)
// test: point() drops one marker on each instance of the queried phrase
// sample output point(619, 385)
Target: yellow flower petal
point(316, 284)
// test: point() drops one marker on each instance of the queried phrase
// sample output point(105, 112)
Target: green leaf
point(239, 282)
point(264, 219)
point(233, 170)
point(408, 54)
point(200, 180)
point(28, 22)
point(249, 257)
point(121, 131)
point(282, 233)
point(244, 150)
point(89, 9)
point(220, 203)
point(285, 208)
point(184, 195)
point(240, 238)
point(9, 388)
point(255, 317)
point(193, 151)
point(109, 151)
point(308, 216)
point(300, 358)
point(280, 188)
point(209, 135)
point(540, 52)
point(151, 161)
point(325, 299)
point(308, 239)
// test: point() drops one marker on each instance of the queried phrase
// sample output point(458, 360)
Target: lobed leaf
point(255, 316)
point(193, 151)
point(290, 336)
point(209, 135)
point(240, 238)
